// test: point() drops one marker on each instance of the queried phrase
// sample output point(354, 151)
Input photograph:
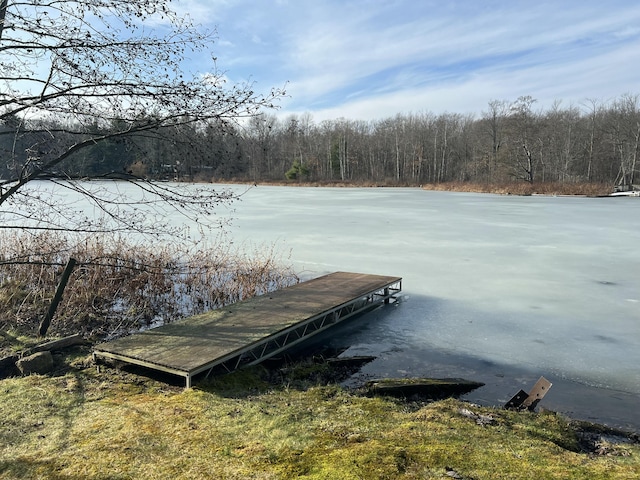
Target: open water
point(498, 289)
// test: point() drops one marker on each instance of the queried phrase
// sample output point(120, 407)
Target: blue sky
point(374, 59)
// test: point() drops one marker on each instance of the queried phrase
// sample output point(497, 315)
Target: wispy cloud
point(371, 59)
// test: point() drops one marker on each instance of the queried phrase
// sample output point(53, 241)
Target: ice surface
point(499, 289)
point(542, 285)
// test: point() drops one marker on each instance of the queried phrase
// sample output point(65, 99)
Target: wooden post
point(522, 399)
point(46, 321)
point(58, 344)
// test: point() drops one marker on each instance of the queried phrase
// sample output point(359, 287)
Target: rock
point(479, 418)
point(8, 366)
point(41, 362)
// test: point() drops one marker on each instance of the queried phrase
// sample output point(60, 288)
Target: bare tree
point(259, 135)
point(625, 137)
point(493, 125)
point(523, 119)
point(78, 73)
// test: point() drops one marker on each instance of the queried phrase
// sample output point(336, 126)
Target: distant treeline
point(511, 140)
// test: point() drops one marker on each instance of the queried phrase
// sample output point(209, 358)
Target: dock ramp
point(253, 330)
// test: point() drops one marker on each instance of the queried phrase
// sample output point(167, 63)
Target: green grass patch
point(110, 425)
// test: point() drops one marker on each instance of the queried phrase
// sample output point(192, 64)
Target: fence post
point(44, 325)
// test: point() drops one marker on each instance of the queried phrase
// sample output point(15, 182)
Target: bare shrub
point(118, 286)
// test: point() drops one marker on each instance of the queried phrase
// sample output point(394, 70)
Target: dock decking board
point(265, 324)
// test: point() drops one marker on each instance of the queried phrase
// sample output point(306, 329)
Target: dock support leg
point(386, 296)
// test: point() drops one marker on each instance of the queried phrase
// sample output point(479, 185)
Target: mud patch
point(599, 440)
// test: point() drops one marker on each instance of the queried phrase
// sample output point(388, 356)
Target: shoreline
point(286, 419)
point(511, 188)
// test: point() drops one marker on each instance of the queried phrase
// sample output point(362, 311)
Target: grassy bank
point(116, 425)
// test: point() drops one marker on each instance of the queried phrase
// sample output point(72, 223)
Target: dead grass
point(323, 183)
point(524, 188)
point(117, 286)
point(501, 188)
point(116, 425)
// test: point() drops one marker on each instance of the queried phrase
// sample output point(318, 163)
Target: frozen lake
point(497, 289)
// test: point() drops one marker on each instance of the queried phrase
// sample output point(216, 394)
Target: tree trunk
point(529, 168)
point(3, 13)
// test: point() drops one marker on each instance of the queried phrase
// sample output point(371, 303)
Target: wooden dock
point(247, 332)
